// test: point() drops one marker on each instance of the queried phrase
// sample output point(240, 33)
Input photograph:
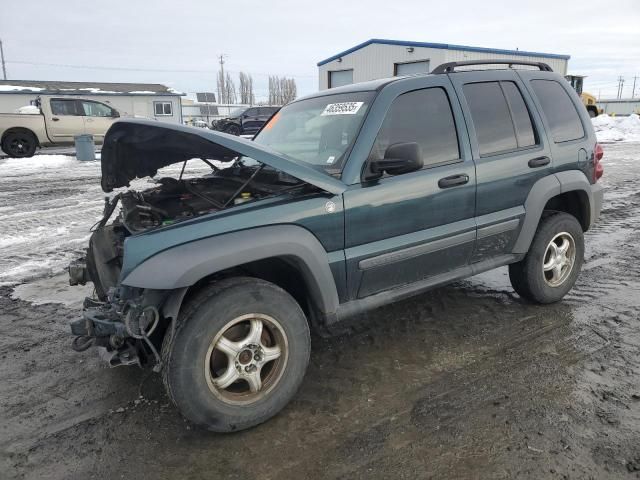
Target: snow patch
point(18, 88)
point(617, 129)
point(142, 92)
point(28, 110)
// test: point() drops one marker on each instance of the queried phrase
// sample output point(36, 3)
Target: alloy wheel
point(559, 258)
point(246, 359)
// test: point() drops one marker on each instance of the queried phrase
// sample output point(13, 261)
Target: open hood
point(139, 148)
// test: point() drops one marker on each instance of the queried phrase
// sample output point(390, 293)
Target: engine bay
point(173, 200)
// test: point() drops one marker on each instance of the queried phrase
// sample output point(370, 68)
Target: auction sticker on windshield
point(344, 108)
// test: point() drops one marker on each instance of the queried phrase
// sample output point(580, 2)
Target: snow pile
point(28, 110)
point(617, 129)
point(17, 88)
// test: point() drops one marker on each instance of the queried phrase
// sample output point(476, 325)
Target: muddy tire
point(19, 144)
point(238, 356)
point(553, 262)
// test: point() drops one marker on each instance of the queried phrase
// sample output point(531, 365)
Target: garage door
point(412, 68)
point(340, 77)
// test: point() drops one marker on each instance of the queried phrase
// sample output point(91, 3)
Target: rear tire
point(20, 144)
point(232, 130)
point(553, 263)
point(238, 356)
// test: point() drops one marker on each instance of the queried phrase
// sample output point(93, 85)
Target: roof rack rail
point(451, 66)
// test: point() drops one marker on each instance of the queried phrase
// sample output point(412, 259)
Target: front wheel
point(551, 267)
point(239, 354)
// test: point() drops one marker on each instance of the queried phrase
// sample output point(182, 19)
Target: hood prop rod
point(243, 186)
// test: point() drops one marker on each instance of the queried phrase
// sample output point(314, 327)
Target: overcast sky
point(177, 42)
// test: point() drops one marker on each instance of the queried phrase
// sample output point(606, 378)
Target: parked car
point(244, 120)
point(60, 119)
point(348, 200)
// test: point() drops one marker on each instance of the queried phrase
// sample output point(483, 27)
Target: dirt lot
point(467, 381)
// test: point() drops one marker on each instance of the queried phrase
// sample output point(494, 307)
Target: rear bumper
point(597, 198)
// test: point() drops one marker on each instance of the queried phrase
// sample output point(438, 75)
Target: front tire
point(553, 263)
point(238, 356)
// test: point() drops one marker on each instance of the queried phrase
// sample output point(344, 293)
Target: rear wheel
point(232, 130)
point(19, 144)
point(239, 354)
point(553, 262)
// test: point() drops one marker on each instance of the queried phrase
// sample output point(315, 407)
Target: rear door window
point(500, 117)
point(425, 117)
point(491, 118)
point(64, 107)
point(95, 109)
point(525, 134)
point(559, 110)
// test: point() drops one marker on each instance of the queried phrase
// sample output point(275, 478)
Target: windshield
point(319, 131)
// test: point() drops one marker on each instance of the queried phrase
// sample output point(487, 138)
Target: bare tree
point(288, 90)
point(230, 89)
point(246, 89)
point(282, 90)
point(226, 89)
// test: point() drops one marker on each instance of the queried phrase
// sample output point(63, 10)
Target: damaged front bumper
point(119, 328)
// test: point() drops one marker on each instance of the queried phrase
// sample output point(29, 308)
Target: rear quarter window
point(559, 110)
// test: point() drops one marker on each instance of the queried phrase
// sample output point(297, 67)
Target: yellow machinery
point(589, 100)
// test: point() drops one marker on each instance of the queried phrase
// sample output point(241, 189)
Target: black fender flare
point(542, 191)
point(184, 265)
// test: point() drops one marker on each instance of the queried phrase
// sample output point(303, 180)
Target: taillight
point(598, 169)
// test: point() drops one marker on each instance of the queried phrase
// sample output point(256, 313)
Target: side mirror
point(115, 114)
point(399, 158)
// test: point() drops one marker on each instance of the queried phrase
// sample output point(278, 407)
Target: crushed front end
point(126, 327)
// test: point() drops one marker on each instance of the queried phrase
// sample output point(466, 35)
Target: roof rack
point(451, 66)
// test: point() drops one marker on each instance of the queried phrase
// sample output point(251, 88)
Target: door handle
point(55, 119)
point(539, 162)
point(453, 181)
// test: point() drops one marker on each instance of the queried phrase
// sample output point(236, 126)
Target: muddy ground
point(467, 381)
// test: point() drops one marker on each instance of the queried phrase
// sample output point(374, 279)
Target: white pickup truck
point(59, 120)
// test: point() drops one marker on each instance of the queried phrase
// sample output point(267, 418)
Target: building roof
point(51, 87)
point(445, 46)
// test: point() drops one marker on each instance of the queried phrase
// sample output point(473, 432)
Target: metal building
point(145, 100)
point(378, 58)
point(620, 107)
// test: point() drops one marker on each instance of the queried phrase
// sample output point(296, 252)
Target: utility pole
point(633, 90)
point(221, 86)
point(620, 85)
point(4, 68)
